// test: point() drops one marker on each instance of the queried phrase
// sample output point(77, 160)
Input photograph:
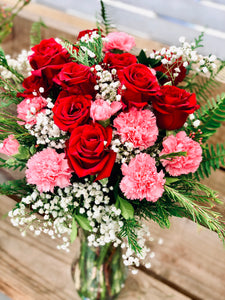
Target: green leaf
point(127, 209)
point(33, 150)
point(73, 235)
point(83, 222)
point(23, 154)
point(170, 180)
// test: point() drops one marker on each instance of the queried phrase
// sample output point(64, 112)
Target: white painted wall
point(161, 20)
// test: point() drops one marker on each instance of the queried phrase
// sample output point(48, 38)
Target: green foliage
point(83, 222)
point(126, 208)
point(148, 61)
point(129, 231)
point(15, 187)
point(204, 86)
point(212, 158)
point(198, 41)
point(211, 116)
point(12, 163)
point(159, 211)
point(35, 33)
point(172, 155)
point(9, 125)
point(7, 15)
point(4, 64)
point(105, 19)
point(73, 235)
point(189, 194)
point(89, 53)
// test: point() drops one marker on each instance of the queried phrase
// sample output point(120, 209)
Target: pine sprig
point(15, 187)
point(105, 20)
point(200, 214)
point(9, 125)
point(12, 163)
point(212, 158)
point(129, 231)
point(159, 212)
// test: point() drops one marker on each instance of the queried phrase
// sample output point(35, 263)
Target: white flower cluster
point(107, 84)
point(131, 258)
point(186, 54)
point(124, 152)
point(90, 38)
point(20, 64)
point(45, 129)
point(91, 200)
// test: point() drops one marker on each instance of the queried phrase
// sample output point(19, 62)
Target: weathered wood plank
point(192, 257)
point(32, 269)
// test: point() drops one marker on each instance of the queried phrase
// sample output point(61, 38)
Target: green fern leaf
point(212, 158)
point(35, 33)
point(105, 20)
point(211, 116)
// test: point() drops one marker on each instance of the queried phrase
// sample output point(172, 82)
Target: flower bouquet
point(107, 140)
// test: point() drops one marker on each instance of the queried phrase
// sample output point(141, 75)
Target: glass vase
point(99, 272)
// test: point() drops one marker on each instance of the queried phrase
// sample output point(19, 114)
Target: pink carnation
point(101, 110)
point(141, 179)
point(138, 127)
point(48, 169)
point(120, 41)
point(182, 164)
point(10, 146)
point(29, 108)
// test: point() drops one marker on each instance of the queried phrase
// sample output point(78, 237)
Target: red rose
point(140, 85)
point(48, 54)
point(88, 152)
point(69, 112)
point(170, 69)
point(119, 61)
point(33, 84)
point(173, 107)
point(77, 79)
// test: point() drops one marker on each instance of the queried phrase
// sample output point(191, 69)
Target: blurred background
point(160, 20)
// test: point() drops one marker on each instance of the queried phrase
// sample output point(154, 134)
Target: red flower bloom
point(173, 107)
point(87, 150)
point(88, 31)
point(168, 70)
point(33, 84)
point(76, 78)
point(48, 55)
point(140, 85)
point(69, 112)
point(119, 61)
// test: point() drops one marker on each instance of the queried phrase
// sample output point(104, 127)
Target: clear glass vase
point(99, 272)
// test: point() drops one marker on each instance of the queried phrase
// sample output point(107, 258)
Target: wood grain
point(32, 269)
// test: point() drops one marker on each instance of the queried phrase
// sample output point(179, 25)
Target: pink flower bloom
point(120, 41)
point(138, 127)
point(101, 110)
point(28, 109)
point(182, 164)
point(10, 145)
point(48, 169)
point(141, 179)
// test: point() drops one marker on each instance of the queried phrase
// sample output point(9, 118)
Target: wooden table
point(189, 265)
